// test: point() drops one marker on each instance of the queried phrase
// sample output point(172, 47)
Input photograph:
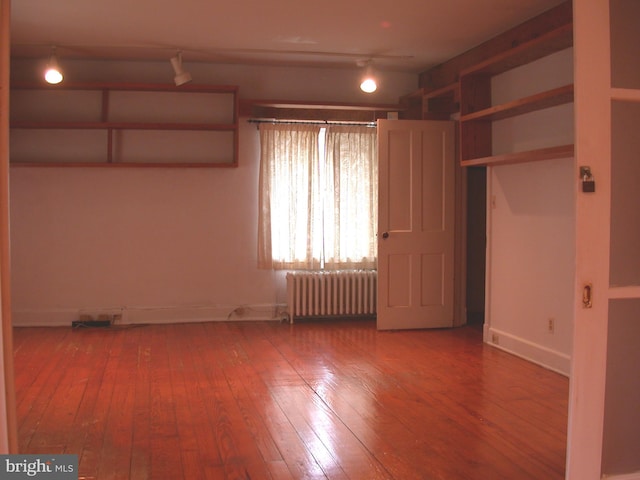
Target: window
point(318, 196)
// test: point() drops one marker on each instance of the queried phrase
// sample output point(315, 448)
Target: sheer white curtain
point(351, 203)
point(289, 160)
point(318, 197)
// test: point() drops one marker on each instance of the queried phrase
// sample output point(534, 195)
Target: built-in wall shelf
point(632, 291)
point(550, 153)
point(469, 97)
point(625, 94)
point(548, 99)
point(477, 111)
point(121, 126)
point(124, 124)
point(541, 46)
point(441, 92)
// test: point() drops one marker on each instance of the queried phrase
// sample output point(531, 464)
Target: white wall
point(154, 244)
point(530, 224)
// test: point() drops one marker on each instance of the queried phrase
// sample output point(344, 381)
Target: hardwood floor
point(245, 400)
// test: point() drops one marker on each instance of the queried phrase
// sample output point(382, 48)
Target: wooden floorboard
point(265, 400)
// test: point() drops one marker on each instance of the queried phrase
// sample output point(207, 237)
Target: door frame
point(592, 148)
point(8, 424)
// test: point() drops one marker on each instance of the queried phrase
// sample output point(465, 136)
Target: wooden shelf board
point(625, 94)
point(546, 44)
point(124, 126)
point(631, 291)
point(441, 92)
point(550, 98)
point(563, 151)
point(126, 164)
point(416, 95)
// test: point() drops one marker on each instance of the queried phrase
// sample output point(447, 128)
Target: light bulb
point(368, 85)
point(53, 75)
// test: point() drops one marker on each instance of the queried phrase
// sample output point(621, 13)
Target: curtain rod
point(311, 122)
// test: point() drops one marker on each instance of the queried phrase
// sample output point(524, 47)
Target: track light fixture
point(53, 73)
point(368, 83)
point(181, 77)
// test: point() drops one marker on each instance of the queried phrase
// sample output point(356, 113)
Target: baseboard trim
point(149, 315)
point(533, 352)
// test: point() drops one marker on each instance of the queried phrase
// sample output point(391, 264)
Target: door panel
point(400, 185)
point(433, 181)
point(416, 224)
point(432, 267)
point(399, 275)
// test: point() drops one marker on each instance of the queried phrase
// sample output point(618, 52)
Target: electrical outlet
point(495, 339)
point(551, 325)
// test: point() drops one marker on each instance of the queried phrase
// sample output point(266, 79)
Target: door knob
point(385, 235)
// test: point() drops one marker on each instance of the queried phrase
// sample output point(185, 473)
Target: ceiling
point(400, 35)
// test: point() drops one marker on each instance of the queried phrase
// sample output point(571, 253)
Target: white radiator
point(331, 293)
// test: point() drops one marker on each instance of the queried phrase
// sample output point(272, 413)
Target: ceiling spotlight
point(53, 74)
point(368, 83)
point(181, 77)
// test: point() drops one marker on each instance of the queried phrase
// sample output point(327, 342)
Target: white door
point(415, 224)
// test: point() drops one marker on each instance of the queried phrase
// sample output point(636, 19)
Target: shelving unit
point(470, 97)
point(106, 124)
point(477, 111)
point(526, 52)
